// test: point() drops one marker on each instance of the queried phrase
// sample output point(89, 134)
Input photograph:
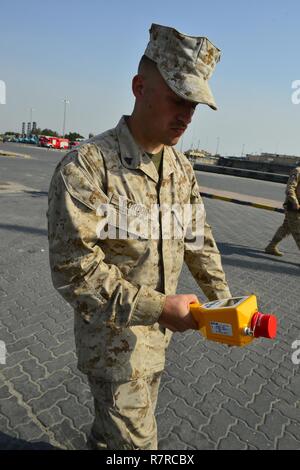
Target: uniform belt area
point(242, 199)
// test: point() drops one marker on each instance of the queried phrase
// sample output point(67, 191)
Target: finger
point(193, 324)
point(192, 298)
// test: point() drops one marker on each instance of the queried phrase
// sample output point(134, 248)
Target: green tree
point(49, 132)
point(37, 131)
point(72, 136)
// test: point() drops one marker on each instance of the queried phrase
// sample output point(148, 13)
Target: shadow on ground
point(270, 263)
point(37, 193)
point(12, 443)
point(22, 228)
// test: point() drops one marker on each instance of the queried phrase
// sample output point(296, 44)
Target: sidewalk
point(242, 199)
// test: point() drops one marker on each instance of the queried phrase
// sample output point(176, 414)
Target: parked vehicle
point(31, 139)
point(8, 138)
point(76, 142)
point(53, 142)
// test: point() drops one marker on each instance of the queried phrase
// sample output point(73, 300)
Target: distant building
point(276, 158)
point(201, 156)
point(196, 153)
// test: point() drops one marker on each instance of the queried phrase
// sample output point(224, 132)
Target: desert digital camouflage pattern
point(185, 62)
point(135, 402)
point(293, 189)
point(291, 223)
point(118, 286)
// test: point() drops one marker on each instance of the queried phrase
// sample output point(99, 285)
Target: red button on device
point(264, 325)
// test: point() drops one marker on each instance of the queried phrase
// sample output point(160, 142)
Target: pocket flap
point(80, 186)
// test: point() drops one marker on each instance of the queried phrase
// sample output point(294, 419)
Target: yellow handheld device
point(234, 321)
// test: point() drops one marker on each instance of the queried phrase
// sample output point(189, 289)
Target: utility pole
point(31, 113)
point(243, 149)
point(218, 143)
point(65, 101)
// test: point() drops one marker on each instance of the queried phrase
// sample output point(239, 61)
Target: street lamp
point(65, 101)
point(218, 143)
point(31, 113)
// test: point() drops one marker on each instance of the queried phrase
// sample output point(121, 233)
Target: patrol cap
point(185, 62)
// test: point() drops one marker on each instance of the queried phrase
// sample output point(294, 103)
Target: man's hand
point(295, 205)
point(176, 314)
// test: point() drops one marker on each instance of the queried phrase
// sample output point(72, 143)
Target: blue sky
point(88, 51)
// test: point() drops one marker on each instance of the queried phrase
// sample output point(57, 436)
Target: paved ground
point(236, 198)
point(211, 397)
point(247, 186)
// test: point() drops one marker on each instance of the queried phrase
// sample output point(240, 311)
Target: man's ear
point(138, 86)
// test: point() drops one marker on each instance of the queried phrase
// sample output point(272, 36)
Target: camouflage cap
point(185, 62)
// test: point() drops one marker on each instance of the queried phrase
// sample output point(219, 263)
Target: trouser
point(124, 414)
point(291, 225)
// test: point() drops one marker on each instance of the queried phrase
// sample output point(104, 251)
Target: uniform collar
point(133, 157)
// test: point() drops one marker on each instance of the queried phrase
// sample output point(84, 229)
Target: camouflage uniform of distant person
point(123, 289)
point(291, 223)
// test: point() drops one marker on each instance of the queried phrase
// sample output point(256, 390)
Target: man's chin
point(172, 141)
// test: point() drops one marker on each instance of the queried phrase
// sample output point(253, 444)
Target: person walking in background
point(291, 223)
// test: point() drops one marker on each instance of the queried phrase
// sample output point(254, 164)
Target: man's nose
point(186, 115)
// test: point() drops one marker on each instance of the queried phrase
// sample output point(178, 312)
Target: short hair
point(146, 66)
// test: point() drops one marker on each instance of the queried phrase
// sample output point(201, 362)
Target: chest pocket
point(131, 219)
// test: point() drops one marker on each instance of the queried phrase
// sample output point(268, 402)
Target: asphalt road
point(33, 173)
point(211, 396)
point(248, 186)
point(236, 184)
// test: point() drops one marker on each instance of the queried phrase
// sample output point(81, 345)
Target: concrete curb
point(261, 175)
point(13, 154)
point(243, 203)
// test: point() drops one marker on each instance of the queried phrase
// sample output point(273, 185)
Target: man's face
point(166, 114)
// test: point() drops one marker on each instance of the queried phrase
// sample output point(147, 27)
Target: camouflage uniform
point(124, 414)
point(185, 62)
point(291, 223)
point(117, 285)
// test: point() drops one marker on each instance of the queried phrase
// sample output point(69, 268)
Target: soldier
point(291, 223)
point(120, 280)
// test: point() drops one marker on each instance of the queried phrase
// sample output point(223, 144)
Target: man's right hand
point(176, 314)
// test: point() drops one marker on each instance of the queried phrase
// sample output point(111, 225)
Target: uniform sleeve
point(201, 253)
point(291, 187)
point(96, 289)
